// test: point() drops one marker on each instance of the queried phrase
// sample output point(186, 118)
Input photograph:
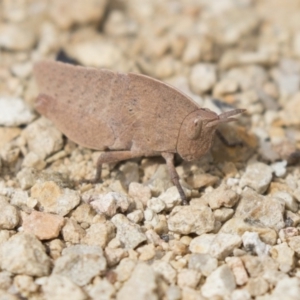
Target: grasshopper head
point(197, 131)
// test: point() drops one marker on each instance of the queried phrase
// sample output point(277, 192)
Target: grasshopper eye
point(194, 129)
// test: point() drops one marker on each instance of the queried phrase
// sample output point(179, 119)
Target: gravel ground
point(129, 237)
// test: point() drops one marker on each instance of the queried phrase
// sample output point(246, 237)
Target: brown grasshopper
point(125, 115)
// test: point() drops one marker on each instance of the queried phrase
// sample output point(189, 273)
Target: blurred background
point(244, 52)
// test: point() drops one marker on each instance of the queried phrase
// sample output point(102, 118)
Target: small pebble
point(147, 252)
point(221, 196)
point(136, 216)
point(237, 267)
point(253, 243)
point(88, 259)
point(269, 211)
point(141, 284)
point(257, 286)
point(165, 270)
point(58, 287)
point(99, 234)
point(294, 243)
point(109, 203)
point(53, 199)
point(189, 278)
point(16, 38)
point(170, 198)
point(288, 199)
point(188, 219)
point(113, 256)
point(129, 234)
point(104, 288)
point(257, 176)
point(91, 11)
point(204, 263)
point(284, 256)
point(173, 293)
point(279, 168)
point(84, 213)
point(14, 111)
point(9, 217)
point(156, 204)
point(240, 294)
point(26, 178)
point(223, 244)
point(72, 232)
point(219, 283)
point(140, 192)
point(43, 225)
point(23, 253)
point(202, 243)
point(42, 132)
point(25, 285)
point(223, 214)
point(125, 268)
point(202, 78)
point(287, 288)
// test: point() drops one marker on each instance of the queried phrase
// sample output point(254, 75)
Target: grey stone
point(223, 244)
point(5, 280)
point(109, 203)
point(204, 263)
point(130, 234)
point(80, 263)
point(221, 196)
point(294, 243)
point(284, 256)
point(9, 217)
point(54, 199)
point(173, 293)
point(156, 204)
point(240, 294)
point(240, 226)
point(253, 243)
point(287, 288)
point(125, 268)
point(16, 37)
point(80, 14)
point(23, 253)
point(203, 77)
point(84, 213)
point(220, 282)
point(160, 181)
point(171, 197)
point(26, 178)
point(188, 219)
point(201, 244)
point(260, 210)
point(141, 285)
point(188, 278)
point(99, 234)
point(223, 214)
point(136, 216)
point(257, 176)
point(72, 232)
point(288, 199)
point(60, 287)
point(238, 269)
point(165, 270)
point(257, 286)
point(43, 138)
point(102, 290)
point(14, 112)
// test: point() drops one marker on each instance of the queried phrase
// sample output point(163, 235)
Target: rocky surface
point(129, 237)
